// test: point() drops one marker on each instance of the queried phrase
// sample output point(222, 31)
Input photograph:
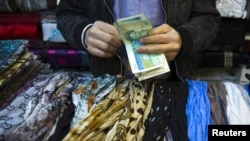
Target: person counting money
point(181, 29)
point(143, 66)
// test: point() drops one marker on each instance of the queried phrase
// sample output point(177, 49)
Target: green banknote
point(144, 66)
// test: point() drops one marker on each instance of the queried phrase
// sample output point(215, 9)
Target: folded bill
point(143, 66)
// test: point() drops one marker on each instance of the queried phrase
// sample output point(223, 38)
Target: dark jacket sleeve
point(71, 20)
point(200, 30)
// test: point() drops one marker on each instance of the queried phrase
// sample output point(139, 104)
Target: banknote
point(131, 30)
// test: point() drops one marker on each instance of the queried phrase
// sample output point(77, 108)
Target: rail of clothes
point(38, 103)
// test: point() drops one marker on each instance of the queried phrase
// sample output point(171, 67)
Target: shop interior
point(33, 49)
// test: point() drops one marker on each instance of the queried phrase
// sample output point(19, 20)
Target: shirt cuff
point(83, 35)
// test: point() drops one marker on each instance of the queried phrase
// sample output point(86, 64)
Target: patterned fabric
point(120, 116)
point(26, 5)
point(13, 114)
point(62, 126)
point(17, 75)
point(114, 108)
point(20, 63)
point(178, 121)
point(10, 50)
point(35, 111)
point(65, 57)
point(35, 108)
point(89, 92)
point(158, 121)
point(41, 116)
point(59, 54)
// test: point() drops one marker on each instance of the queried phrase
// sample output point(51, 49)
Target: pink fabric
point(62, 57)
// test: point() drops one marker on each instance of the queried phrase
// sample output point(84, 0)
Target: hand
point(164, 39)
point(102, 39)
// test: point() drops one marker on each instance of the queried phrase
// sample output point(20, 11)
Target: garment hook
point(247, 75)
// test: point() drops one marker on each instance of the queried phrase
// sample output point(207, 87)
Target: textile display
point(10, 6)
point(62, 57)
point(17, 66)
point(47, 92)
point(232, 8)
point(10, 51)
point(49, 28)
point(122, 114)
point(20, 26)
point(114, 108)
point(51, 33)
point(58, 54)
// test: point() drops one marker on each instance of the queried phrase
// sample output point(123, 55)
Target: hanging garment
point(198, 110)
point(232, 8)
point(238, 104)
point(218, 102)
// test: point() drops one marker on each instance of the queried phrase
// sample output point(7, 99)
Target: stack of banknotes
point(143, 66)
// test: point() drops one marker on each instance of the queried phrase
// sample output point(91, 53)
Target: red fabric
point(19, 18)
point(20, 26)
point(19, 31)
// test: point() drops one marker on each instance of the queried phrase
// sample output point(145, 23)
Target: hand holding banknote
point(163, 39)
point(143, 65)
point(102, 39)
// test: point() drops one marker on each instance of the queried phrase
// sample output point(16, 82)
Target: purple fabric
point(62, 57)
point(151, 9)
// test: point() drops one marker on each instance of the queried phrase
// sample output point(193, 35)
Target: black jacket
point(197, 22)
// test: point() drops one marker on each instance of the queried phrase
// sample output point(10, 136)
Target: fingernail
point(138, 50)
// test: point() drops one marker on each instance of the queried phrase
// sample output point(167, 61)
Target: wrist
point(84, 34)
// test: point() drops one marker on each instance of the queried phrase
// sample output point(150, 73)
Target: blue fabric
point(8, 48)
point(247, 87)
point(197, 110)
point(150, 8)
point(10, 51)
